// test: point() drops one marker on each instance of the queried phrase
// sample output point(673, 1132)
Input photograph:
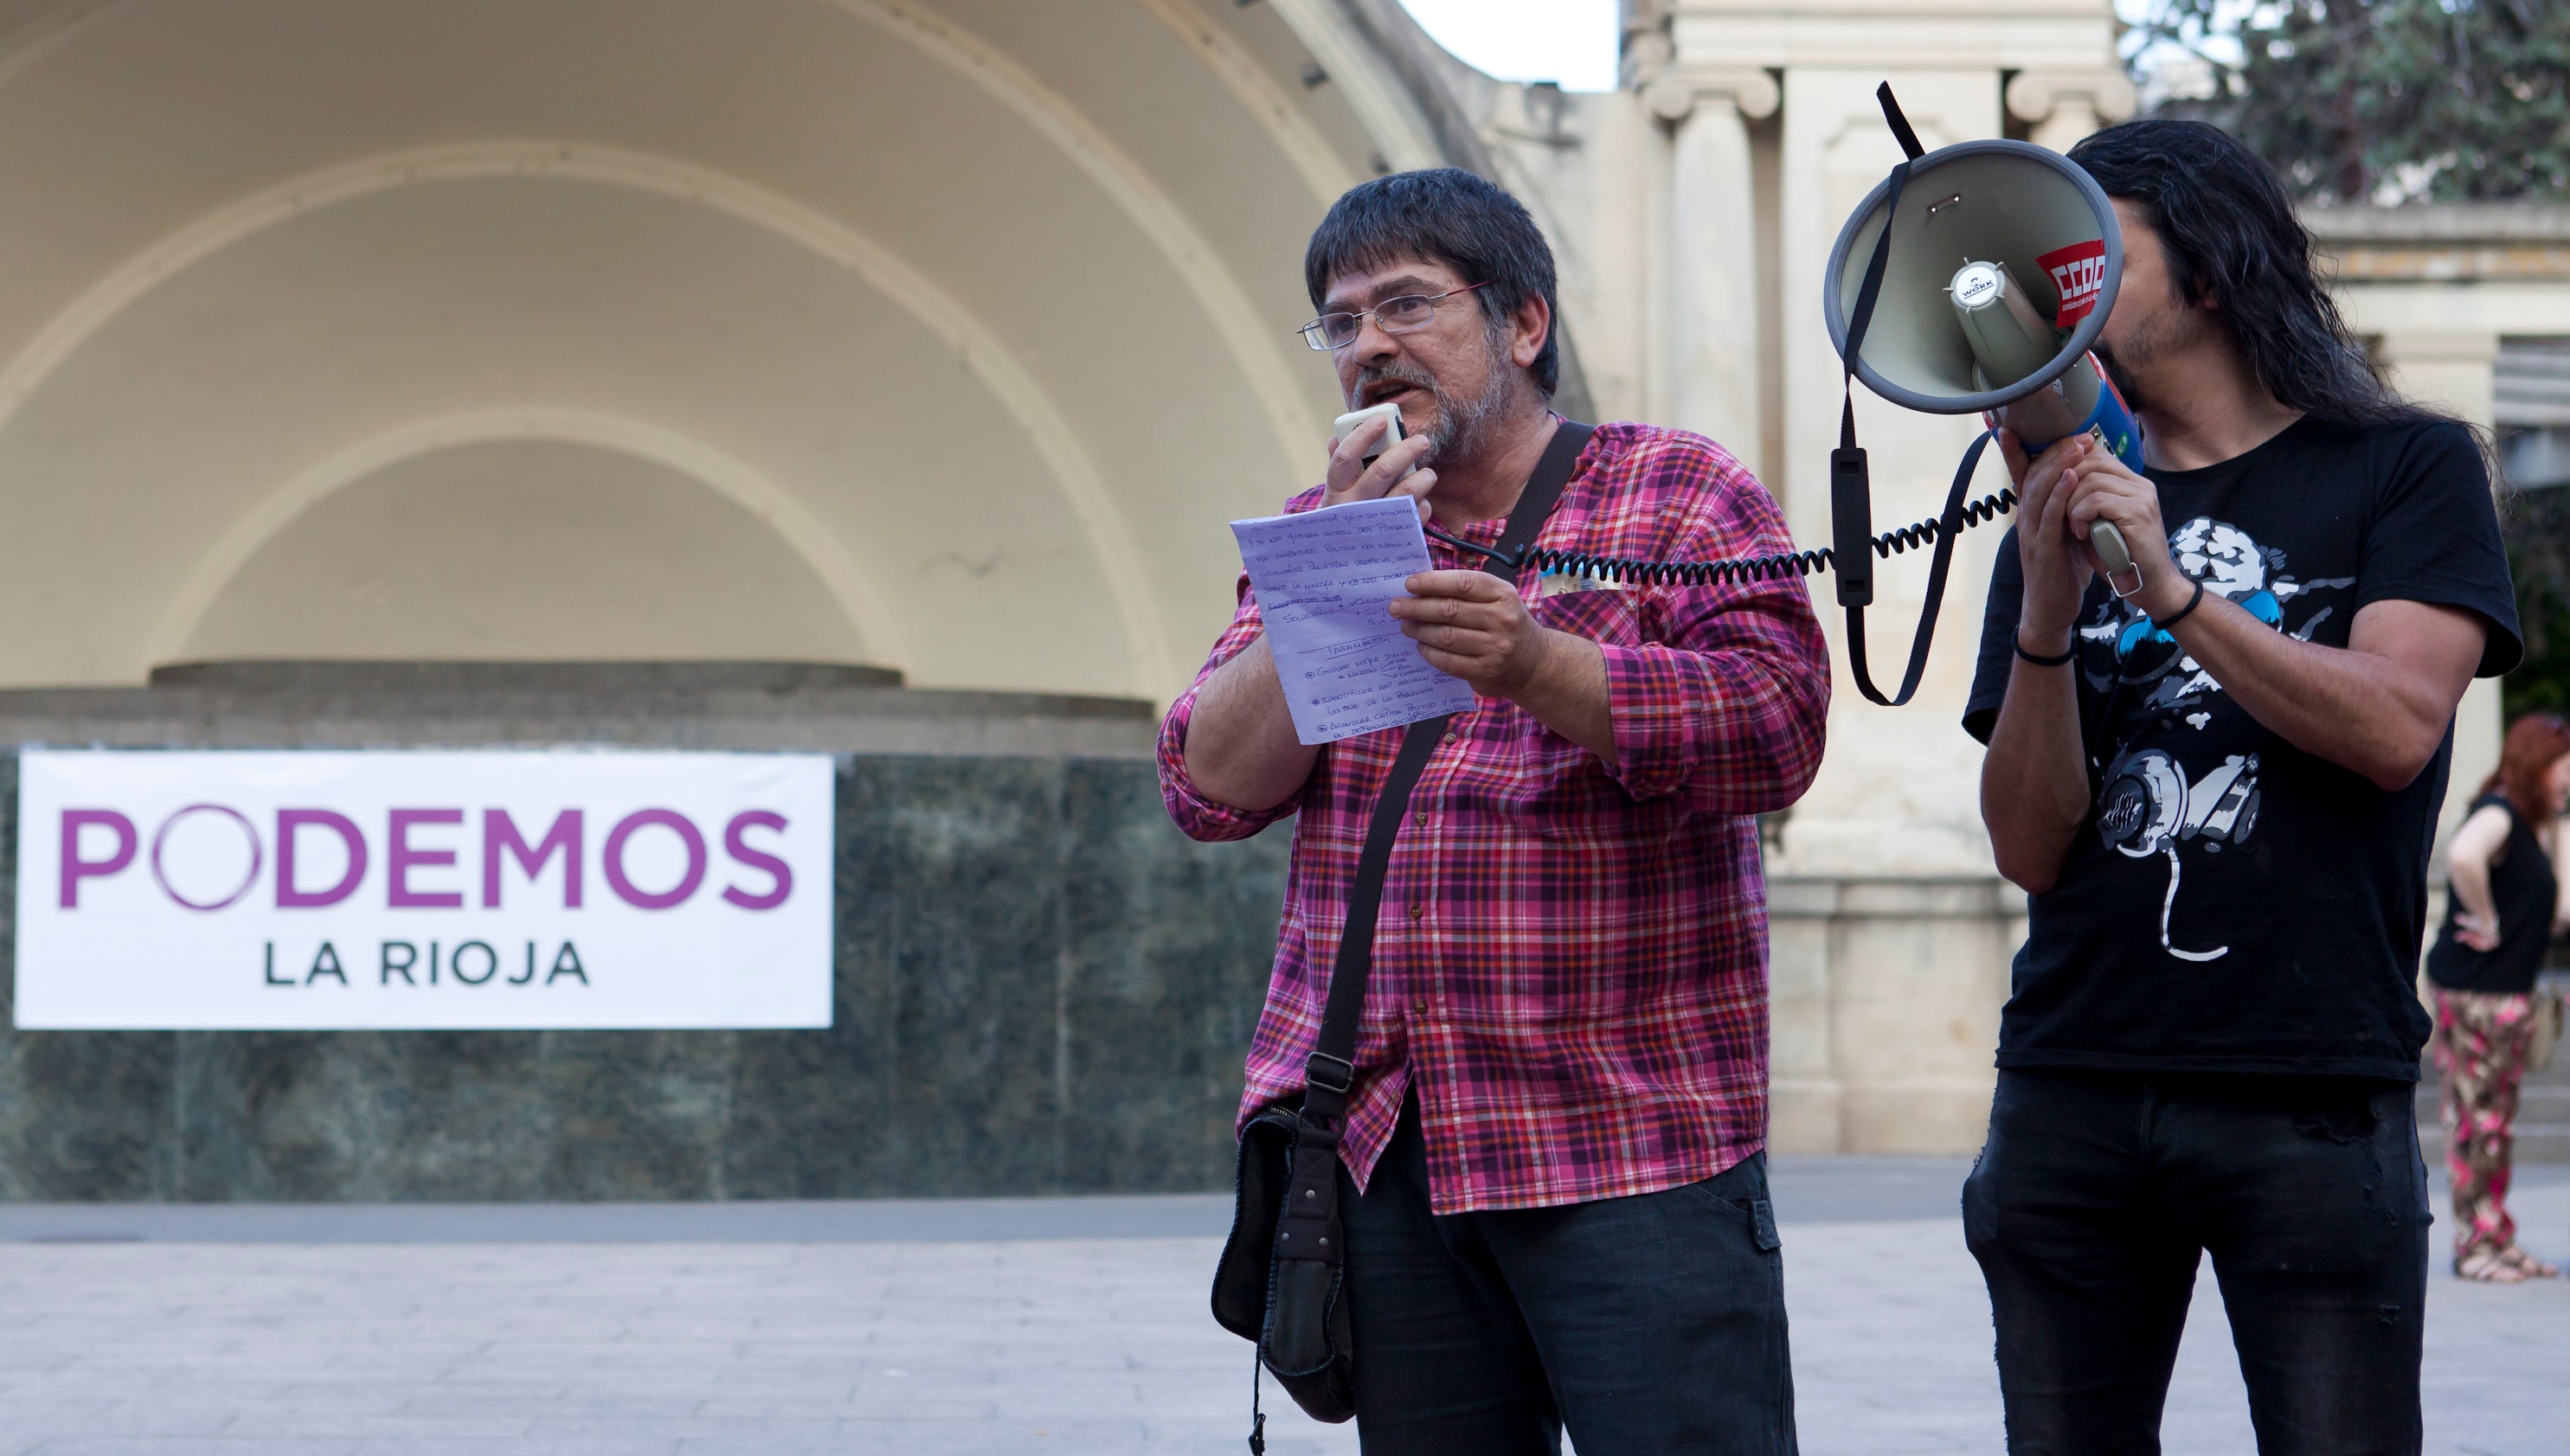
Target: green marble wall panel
point(1040, 988)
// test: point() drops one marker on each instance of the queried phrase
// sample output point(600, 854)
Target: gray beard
point(1464, 426)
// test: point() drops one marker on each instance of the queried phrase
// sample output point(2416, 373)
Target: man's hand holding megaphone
point(2064, 493)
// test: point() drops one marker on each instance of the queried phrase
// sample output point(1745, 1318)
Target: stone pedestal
point(1887, 1000)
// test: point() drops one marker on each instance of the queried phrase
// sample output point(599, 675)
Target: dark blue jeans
point(1650, 1324)
point(2097, 1194)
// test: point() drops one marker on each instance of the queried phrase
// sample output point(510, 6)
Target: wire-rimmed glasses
point(1406, 315)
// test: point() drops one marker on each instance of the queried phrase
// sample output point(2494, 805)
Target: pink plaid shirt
point(1571, 960)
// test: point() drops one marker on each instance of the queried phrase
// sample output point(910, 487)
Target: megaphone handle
point(2115, 557)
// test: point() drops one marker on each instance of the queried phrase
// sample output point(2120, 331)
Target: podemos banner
point(176, 891)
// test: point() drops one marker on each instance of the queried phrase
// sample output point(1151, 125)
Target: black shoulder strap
point(1332, 1067)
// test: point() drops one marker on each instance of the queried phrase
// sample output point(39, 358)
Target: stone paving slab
point(1091, 1344)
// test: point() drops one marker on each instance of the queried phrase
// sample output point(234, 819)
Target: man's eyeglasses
point(1406, 315)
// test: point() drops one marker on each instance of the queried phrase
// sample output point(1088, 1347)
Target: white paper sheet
point(1324, 581)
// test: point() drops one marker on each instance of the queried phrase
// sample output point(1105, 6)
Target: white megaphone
point(1976, 281)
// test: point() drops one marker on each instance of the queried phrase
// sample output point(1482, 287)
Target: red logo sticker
point(2078, 275)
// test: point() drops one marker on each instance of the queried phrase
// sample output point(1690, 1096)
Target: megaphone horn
point(2002, 264)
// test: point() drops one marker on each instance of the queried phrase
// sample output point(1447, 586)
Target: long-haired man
point(2219, 782)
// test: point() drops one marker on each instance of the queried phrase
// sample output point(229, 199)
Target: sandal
point(2488, 1266)
point(2527, 1265)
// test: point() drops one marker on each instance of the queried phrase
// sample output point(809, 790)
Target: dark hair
point(2231, 234)
point(1446, 216)
point(2535, 742)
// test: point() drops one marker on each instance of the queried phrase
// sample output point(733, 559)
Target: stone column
point(2457, 372)
point(1892, 937)
point(1715, 388)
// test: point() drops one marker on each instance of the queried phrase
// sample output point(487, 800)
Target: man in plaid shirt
point(1552, 1175)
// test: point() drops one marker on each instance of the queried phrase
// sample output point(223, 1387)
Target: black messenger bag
point(1281, 1280)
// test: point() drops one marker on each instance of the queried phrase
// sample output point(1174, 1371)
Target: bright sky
point(1569, 41)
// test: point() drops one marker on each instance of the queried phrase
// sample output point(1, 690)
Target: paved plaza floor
point(1054, 1325)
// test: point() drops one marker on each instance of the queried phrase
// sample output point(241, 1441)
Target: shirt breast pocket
point(1607, 616)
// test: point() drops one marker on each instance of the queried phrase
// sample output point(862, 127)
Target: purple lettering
point(291, 893)
point(500, 836)
point(160, 872)
point(611, 859)
point(399, 858)
point(75, 868)
point(780, 875)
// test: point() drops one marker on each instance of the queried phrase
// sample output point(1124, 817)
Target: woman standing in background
point(2502, 905)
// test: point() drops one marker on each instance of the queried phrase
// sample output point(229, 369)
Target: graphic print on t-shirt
point(2151, 802)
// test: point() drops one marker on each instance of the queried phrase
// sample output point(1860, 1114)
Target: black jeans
point(2093, 1200)
point(1650, 1324)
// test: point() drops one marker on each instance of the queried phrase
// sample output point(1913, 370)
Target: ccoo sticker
point(2078, 275)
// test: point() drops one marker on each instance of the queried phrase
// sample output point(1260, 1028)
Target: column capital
point(1675, 95)
point(2033, 96)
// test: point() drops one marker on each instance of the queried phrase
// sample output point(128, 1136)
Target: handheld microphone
point(1354, 419)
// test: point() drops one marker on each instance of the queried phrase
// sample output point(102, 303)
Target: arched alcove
point(536, 550)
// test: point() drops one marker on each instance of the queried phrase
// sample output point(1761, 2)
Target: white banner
point(499, 891)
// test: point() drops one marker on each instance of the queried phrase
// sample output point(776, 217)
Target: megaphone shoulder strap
point(1850, 489)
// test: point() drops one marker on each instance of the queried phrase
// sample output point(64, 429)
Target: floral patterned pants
point(2482, 1046)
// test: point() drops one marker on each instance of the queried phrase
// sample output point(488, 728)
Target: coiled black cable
point(1785, 566)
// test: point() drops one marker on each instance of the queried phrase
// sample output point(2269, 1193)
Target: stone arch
point(760, 498)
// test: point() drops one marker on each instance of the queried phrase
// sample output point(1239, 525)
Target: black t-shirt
point(2232, 904)
point(2523, 892)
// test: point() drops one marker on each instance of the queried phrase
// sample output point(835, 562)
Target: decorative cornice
point(2459, 242)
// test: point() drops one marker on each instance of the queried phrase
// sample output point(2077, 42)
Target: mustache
point(1372, 374)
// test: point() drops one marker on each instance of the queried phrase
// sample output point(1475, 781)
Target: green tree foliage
point(2386, 101)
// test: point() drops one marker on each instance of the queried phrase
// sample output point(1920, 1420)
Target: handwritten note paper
point(1324, 581)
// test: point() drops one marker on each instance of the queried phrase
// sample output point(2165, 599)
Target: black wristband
point(2043, 661)
point(2192, 603)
